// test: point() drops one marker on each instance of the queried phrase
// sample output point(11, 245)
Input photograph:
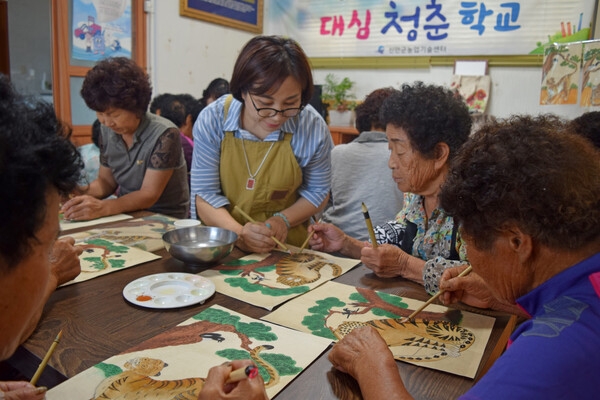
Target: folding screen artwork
point(267, 280)
point(144, 233)
point(439, 338)
point(590, 84)
point(174, 364)
point(561, 73)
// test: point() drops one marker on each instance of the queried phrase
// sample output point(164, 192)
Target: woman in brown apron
point(263, 149)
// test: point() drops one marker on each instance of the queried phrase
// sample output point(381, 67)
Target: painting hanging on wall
point(173, 365)
point(100, 29)
point(561, 74)
point(590, 85)
point(438, 338)
point(267, 280)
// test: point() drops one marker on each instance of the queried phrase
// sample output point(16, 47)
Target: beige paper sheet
point(66, 226)
point(101, 256)
point(267, 280)
point(144, 233)
point(189, 350)
point(430, 342)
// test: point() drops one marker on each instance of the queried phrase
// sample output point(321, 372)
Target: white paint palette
point(169, 290)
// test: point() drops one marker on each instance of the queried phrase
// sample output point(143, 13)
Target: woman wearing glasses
point(263, 149)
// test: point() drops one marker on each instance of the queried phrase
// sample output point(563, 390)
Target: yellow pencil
point(249, 218)
point(435, 296)
point(40, 369)
point(369, 225)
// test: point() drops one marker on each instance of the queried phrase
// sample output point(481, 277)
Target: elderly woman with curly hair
point(141, 159)
point(357, 173)
point(425, 126)
point(527, 197)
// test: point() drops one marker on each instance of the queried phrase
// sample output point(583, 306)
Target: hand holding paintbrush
point(433, 298)
point(249, 218)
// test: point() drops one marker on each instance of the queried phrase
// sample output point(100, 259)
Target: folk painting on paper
point(144, 233)
point(173, 365)
point(267, 280)
point(438, 338)
point(101, 256)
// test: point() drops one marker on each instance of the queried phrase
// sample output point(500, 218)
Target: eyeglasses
point(267, 112)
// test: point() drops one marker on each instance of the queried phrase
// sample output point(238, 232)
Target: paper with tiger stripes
point(174, 363)
point(267, 280)
point(333, 309)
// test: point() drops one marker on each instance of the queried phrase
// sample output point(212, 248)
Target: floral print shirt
point(431, 244)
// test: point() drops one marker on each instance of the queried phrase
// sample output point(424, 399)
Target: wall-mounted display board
point(428, 29)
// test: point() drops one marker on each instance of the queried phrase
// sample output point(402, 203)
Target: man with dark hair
point(38, 164)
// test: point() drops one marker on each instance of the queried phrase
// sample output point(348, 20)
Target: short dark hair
point(96, 132)
point(216, 88)
point(367, 112)
point(192, 105)
point(35, 156)
point(588, 126)
point(429, 114)
point(117, 82)
point(265, 62)
point(161, 101)
point(531, 172)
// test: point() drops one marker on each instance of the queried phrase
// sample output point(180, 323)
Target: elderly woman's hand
point(21, 391)
point(386, 261)
point(326, 237)
point(247, 389)
point(470, 289)
point(360, 352)
point(83, 208)
point(64, 261)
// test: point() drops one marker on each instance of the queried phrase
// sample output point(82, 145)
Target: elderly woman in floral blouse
point(425, 126)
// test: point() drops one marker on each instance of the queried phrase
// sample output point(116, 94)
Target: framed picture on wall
point(246, 15)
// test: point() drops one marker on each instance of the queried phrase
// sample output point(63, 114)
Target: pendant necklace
point(252, 176)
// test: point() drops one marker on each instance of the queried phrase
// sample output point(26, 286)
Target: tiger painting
point(136, 383)
point(301, 268)
point(431, 340)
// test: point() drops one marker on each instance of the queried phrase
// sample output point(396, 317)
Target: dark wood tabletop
point(97, 323)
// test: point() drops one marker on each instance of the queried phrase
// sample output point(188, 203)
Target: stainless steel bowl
point(199, 245)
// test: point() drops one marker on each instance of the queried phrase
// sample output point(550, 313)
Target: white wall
point(186, 54)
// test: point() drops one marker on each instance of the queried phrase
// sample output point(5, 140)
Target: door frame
point(62, 70)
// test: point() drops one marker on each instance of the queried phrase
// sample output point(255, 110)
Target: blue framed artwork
point(246, 15)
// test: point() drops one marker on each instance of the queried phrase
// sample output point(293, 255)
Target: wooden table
point(98, 323)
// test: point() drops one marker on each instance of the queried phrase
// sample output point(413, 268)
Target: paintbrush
point(249, 218)
point(433, 298)
point(308, 237)
point(369, 225)
point(40, 369)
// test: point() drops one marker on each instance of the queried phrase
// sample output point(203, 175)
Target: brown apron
point(273, 188)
